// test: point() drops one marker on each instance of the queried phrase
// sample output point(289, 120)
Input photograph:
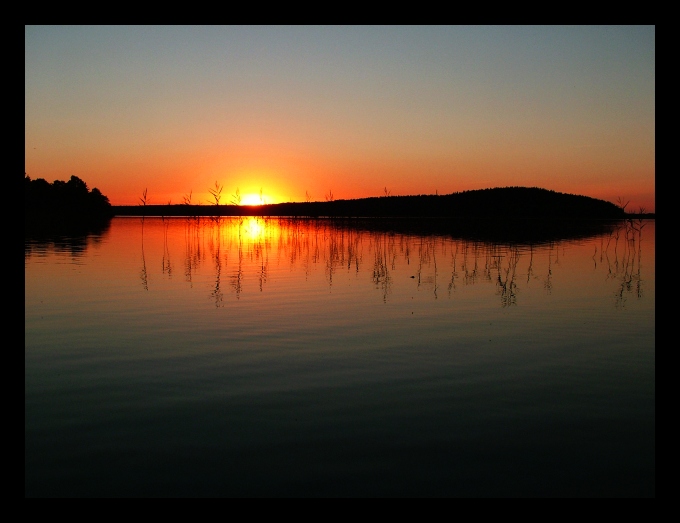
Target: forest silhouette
point(64, 205)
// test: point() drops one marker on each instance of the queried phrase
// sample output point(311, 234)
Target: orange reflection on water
point(235, 257)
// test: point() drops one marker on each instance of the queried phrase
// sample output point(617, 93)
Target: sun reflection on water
point(241, 254)
point(254, 228)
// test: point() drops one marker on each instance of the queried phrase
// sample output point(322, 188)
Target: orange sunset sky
point(355, 110)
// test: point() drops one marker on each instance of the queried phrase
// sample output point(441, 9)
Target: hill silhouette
point(518, 215)
point(507, 203)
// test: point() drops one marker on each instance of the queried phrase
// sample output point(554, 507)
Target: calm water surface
point(189, 357)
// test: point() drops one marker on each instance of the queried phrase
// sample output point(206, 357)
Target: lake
point(280, 357)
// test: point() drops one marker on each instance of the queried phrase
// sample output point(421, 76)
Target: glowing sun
point(253, 199)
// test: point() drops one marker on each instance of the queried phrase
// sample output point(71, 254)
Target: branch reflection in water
point(144, 276)
point(244, 248)
point(339, 357)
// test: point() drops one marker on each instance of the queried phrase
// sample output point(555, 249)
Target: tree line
point(62, 202)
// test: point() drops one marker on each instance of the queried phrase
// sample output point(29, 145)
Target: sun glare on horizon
point(257, 199)
point(253, 199)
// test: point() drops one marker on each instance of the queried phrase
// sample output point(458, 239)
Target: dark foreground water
point(253, 357)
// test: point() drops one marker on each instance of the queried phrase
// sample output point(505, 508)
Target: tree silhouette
point(144, 199)
point(621, 205)
point(216, 193)
point(187, 198)
point(236, 197)
point(60, 203)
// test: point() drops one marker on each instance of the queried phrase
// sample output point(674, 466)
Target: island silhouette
point(500, 202)
point(523, 214)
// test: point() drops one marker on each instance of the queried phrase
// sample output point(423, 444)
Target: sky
point(286, 113)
